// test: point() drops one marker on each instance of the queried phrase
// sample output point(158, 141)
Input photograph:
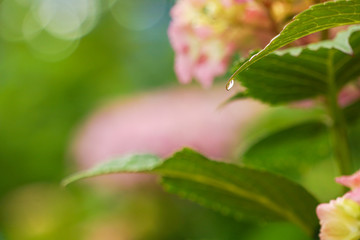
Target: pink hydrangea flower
point(202, 38)
point(203, 60)
point(205, 34)
point(340, 218)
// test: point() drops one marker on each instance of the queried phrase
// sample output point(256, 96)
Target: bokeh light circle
point(51, 28)
point(138, 14)
point(66, 19)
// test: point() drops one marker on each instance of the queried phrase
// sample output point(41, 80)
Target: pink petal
point(203, 32)
point(339, 219)
point(183, 68)
point(177, 38)
point(352, 181)
point(354, 195)
point(348, 95)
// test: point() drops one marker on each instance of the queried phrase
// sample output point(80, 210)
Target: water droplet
point(230, 84)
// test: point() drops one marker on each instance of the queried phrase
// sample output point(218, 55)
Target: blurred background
point(85, 80)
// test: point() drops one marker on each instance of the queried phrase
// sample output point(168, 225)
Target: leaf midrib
point(232, 188)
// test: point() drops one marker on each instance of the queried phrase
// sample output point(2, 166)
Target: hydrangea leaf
point(231, 189)
point(352, 112)
point(317, 18)
point(303, 72)
point(291, 151)
point(290, 141)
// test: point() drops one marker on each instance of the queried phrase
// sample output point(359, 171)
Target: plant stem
point(338, 125)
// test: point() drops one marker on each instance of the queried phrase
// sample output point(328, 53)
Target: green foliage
point(290, 141)
point(131, 163)
point(317, 18)
point(278, 119)
point(295, 142)
point(291, 151)
point(352, 112)
point(303, 72)
point(42, 103)
point(233, 190)
point(290, 144)
point(287, 141)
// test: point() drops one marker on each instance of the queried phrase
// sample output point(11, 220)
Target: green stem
point(338, 124)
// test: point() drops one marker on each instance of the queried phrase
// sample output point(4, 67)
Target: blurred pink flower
point(352, 181)
point(203, 60)
point(354, 195)
point(202, 36)
point(340, 218)
point(349, 94)
point(162, 123)
point(206, 34)
point(255, 16)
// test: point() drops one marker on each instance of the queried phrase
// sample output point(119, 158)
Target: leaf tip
point(230, 84)
point(70, 179)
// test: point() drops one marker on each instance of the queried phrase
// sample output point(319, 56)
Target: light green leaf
point(317, 18)
point(131, 163)
point(304, 72)
point(233, 190)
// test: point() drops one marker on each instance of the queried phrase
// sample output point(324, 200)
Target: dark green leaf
point(291, 151)
point(295, 144)
point(303, 72)
point(231, 189)
point(317, 18)
point(352, 112)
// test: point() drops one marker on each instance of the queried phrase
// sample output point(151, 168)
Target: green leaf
point(354, 139)
point(291, 151)
point(294, 144)
point(352, 112)
point(304, 72)
point(233, 190)
point(278, 119)
point(287, 141)
point(131, 164)
point(317, 18)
